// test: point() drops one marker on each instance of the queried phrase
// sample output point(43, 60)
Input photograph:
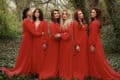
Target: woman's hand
point(77, 48)
point(58, 35)
point(92, 48)
point(44, 46)
point(43, 33)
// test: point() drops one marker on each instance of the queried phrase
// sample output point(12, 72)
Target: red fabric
point(39, 52)
point(66, 53)
point(50, 68)
point(99, 66)
point(80, 59)
point(23, 62)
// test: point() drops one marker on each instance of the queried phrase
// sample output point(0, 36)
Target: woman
point(99, 67)
point(66, 49)
point(80, 58)
point(51, 62)
point(23, 62)
point(40, 42)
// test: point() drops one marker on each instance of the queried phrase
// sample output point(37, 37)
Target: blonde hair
point(65, 24)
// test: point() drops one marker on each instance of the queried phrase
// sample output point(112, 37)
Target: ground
point(9, 51)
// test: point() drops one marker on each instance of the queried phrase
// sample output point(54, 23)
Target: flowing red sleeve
point(54, 29)
point(94, 28)
point(45, 29)
point(76, 34)
point(28, 25)
point(68, 33)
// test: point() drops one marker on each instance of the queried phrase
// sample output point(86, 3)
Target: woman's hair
point(53, 18)
point(40, 14)
point(67, 22)
point(25, 13)
point(98, 14)
point(66, 12)
point(76, 18)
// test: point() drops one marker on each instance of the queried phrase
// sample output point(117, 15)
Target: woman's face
point(80, 15)
point(93, 13)
point(37, 14)
point(29, 13)
point(56, 14)
point(65, 15)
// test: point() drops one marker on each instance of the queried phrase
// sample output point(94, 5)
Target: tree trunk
point(81, 4)
point(20, 5)
point(93, 3)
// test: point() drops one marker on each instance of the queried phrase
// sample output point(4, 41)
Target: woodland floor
point(9, 51)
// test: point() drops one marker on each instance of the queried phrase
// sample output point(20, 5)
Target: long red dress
point(51, 63)
point(66, 53)
point(80, 59)
point(99, 66)
point(39, 52)
point(23, 62)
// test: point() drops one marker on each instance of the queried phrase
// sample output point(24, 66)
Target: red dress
point(23, 62)
point(39, 52)
point(66, 53)
point(80, 59)
point(51, 63)
point(99, 66)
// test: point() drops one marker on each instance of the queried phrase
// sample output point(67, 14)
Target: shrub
point(8, 25)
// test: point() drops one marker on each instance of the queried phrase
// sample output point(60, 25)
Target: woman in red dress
point(80, 57)
point(39, 42)
point(66, 47)
point(23, 62)
point(50, 69)
point(99, 66)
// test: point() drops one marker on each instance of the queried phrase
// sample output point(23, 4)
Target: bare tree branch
point(42, 2)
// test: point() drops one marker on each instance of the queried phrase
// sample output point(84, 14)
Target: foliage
point(113, 7)
point(81, 4)
point(108, 38)
point(8, 26)
point(8, 23)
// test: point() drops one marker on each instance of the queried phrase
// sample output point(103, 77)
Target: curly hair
point(40, 14)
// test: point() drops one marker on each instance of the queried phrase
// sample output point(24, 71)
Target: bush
point(108, 38)
point(113, 9)
point(8, 25)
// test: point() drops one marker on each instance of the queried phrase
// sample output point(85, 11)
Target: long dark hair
point(98, 14)
point(24, 15)
point(40, 14)
point(53, 18)
point(77, 19)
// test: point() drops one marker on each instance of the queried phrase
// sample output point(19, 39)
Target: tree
point(113, 8)
point(3, 22)
point(81, 4)
point(20, 5)
point(93, 3)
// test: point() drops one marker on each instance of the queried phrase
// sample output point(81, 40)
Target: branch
point(41, 2)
